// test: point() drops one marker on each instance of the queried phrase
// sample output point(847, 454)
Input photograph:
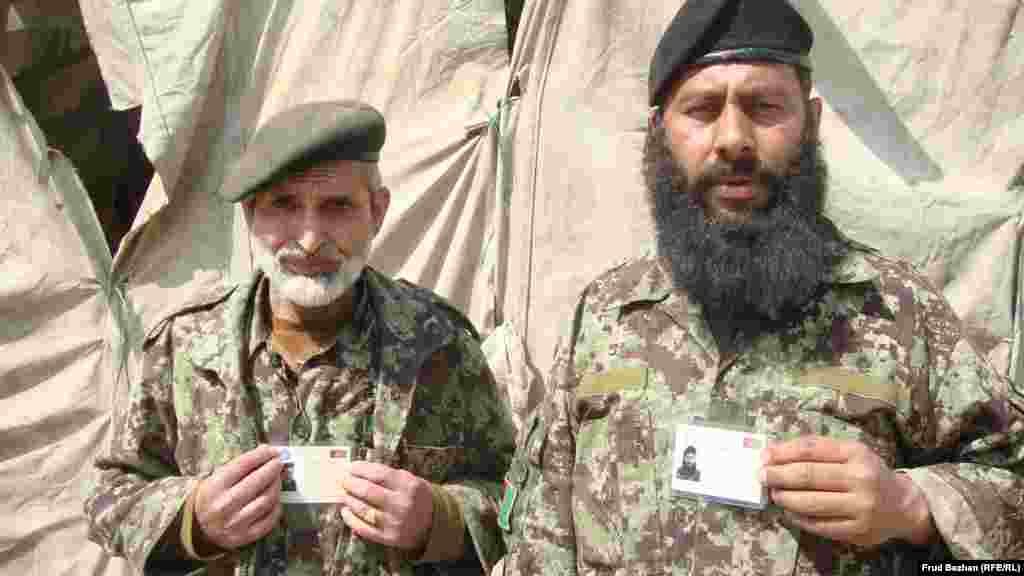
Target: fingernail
point(763, 476)
point(765, 457)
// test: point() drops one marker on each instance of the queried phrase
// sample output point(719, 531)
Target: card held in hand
point(312, 473)
point(719, 464)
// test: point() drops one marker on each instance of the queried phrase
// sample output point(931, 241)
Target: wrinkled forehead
point(331, 179)
point(757, 75)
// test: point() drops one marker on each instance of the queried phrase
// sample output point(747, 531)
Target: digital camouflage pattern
point(879, 358)
point(210, 388)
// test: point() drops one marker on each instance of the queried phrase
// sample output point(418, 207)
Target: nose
point(312, 233)
point(734, 138)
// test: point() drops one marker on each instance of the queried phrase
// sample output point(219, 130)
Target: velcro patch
point(847, 381)
point(613, 380)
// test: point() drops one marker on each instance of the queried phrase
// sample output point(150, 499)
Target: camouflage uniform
point(590, 487)
point(211, 388)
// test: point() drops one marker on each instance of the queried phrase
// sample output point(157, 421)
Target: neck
point(312, 321)
point(301, 333)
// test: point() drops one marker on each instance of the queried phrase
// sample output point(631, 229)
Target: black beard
point(749, 277)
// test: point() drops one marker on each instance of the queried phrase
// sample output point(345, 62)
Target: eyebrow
point(754, 86)
point(315, 174)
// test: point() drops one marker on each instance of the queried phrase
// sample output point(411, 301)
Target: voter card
point(719, 464)
point(312, 473)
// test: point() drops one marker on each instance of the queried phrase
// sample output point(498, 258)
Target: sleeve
point(135, 508)
point(490, 442)
point(447, 538)
point(537, 506)
point(972, 471)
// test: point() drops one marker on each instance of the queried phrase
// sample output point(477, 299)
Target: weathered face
point(737, 187)
point(313, 231)
point(730, 126)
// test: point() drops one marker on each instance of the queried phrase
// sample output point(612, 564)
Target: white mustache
point(326, 251)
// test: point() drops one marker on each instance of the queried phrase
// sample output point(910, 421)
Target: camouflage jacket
point(209, 388)
point(879, 358)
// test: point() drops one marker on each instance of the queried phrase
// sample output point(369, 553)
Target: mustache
point(327, 252)
point(718, 172)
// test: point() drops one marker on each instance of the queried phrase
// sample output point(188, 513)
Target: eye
point(341, 203)
point(768, 108)
point(282, 202)
point(702, 109)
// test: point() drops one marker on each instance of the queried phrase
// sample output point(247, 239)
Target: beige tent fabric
point(514, 182)
point(56, 350)
point(120, 53)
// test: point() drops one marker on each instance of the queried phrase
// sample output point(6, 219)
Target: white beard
point(308, 291)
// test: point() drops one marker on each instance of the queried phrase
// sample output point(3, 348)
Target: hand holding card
point(239, 502)
point(842, 490)
point(387, 505)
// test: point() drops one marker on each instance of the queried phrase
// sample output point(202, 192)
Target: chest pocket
point(815, 403)
point(849, 405)
point(855, 384)
point(616, 486)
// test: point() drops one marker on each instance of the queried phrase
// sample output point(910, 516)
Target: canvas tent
point(515, 179)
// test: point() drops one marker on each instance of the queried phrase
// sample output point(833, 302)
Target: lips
point(310, 266)
point(735, 189)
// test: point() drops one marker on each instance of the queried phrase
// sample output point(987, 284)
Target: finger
point(840, 530)
point(380, 474)
point(252, 512)
point(810, 449)
point(239, 468)
point(365, 511)
point(364, 530)
point(370, 492)
point(262, 526)
point(265, 478)
point(820, 505)
point(810, 476)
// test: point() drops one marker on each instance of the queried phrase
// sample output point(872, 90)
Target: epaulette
point(200, 303)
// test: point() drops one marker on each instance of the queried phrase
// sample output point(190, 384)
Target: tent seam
point(541, 85)
point(149, 71)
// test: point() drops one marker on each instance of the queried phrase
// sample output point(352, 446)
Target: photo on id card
point(311, 473)
point(718, 464)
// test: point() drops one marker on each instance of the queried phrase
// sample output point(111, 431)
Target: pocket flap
point(433, 463)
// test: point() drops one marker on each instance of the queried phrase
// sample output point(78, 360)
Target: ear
point(247, 206)
point(814, 116)
point(379, 202)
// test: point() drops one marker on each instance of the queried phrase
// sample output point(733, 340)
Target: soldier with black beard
point(750, 272)
point(889, 438)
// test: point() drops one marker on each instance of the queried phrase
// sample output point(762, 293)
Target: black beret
point(302, 137)
point(711, 31)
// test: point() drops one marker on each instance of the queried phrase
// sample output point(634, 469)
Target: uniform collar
point(354, 333)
